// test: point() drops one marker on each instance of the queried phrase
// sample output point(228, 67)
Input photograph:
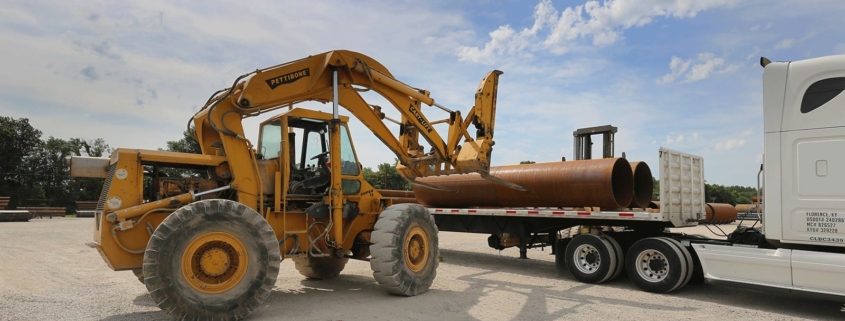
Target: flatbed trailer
point(799, 245)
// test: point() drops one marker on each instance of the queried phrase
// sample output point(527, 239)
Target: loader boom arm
point(312, 79)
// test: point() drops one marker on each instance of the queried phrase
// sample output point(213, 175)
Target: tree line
point(34, 172)
point(715, 193)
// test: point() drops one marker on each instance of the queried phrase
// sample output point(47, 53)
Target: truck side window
point(821, 92)
point(271, 137)
point(348, 162)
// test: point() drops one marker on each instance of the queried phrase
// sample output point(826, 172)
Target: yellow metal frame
point(214, 262)
point(220, 134)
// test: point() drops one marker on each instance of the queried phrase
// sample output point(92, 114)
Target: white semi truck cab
point(803, 243)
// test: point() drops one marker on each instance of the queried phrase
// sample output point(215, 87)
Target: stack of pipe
point(719, 213)
point(608, 183)
point(749, 208)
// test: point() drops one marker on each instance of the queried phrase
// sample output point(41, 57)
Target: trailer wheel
point(656, 265)
point(212, 259)
point(591, 258)
point(320, 268)
point(404, 252)
point(688, 257)
point(620, 257)
point(139, 274)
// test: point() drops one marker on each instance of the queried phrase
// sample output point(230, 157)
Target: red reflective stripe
point(533, 212)
point(626, 214)
point(471, 211)
point(438, 210)
point(455, 211)
point(510, 212)
point(583, 213)
point(558, 213)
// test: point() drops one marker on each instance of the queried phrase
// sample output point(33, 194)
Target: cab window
point(348, 162)
point(271, 138)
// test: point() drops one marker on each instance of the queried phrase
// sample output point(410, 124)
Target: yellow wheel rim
point(416, 249)
point(214, 262)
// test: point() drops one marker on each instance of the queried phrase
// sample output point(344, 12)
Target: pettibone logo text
point(288, 78)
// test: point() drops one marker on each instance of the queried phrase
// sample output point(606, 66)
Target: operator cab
point(303, 135)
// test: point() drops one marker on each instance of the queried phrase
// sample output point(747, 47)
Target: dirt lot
point(47, 273)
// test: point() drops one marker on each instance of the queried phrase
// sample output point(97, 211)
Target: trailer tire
point(591, 258)
point(211, 259)
point(656, 265)
point(620, 257)
point(690, 262)
point(319, 268)
point(404, 252)
point(139, 274)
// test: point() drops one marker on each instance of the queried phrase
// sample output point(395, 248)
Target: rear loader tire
point(319, 268)
point(212, 259)
point(404, 252)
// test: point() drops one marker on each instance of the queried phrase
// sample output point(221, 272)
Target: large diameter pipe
point(643, 185)
point(719, 213)
point(395, 193)
point(606, 183)
point(749, 208)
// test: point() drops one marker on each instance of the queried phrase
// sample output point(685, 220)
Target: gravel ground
point(47, 273)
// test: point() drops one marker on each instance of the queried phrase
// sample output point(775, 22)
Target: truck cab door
point(812, 153)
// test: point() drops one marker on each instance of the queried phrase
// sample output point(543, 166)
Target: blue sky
point(681, 74)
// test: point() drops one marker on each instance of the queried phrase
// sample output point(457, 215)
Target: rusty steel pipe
point(395, 193)
point(606, 183)
point(643, 185)
point(719, 213)
point(747, 208)
point(402, 200)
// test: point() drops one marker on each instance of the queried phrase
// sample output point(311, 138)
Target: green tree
point(527, 162)
point(655, 193)
point(386, 178)
point(50, 173)
point(18, 140)
point(187, 144)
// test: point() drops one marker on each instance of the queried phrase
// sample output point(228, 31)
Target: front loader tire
point(404, 252)
point(139, 274)
point(212, 259)
point(319, 268)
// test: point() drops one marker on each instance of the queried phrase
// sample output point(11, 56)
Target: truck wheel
point(404, 252)
point(656, 265)
point(688, 257)
point(591, 258)
point(139, 273)
point(320, 268)
point(620, 257)
point(212, 259)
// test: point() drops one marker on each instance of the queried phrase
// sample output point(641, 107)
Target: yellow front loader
point(209, 245)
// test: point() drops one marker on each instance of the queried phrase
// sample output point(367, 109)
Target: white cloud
point(730, 144)
point(706, 64)
point(602, 22)
point(784, 44)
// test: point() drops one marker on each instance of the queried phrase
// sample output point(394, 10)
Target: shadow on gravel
point(799, 306)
